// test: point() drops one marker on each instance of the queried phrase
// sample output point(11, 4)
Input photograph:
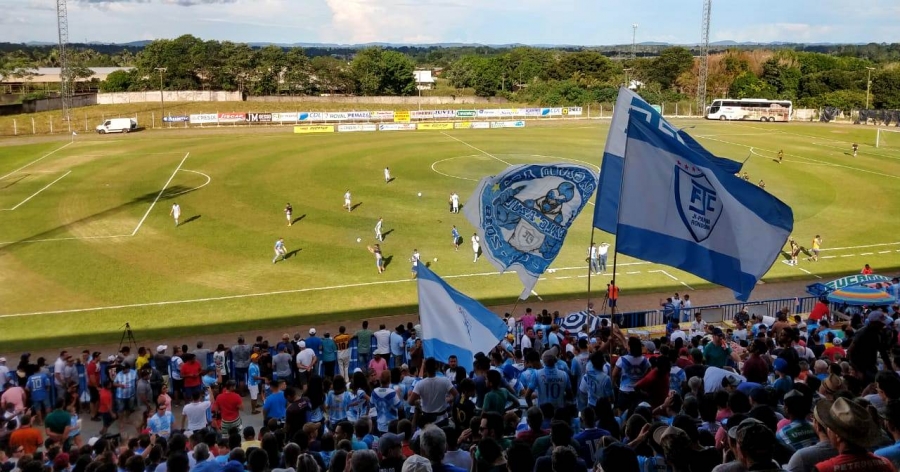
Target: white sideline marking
point(38, 159)
point(35, 193)
point(74, 238)
point(141, 223)
point(865, 254)
point(859, 247)
point(208, 180)
point(802, 157)
point(475, 148)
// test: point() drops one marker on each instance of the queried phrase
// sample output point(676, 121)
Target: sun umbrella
point(574, 321)
point(860, 295)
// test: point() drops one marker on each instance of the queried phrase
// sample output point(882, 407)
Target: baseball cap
point(161, 348)
point(781, 365)
point(254, 357)
point(312, 331)
point(837, 341)
point(404, 367)
point(2, 359)
point(302, 344)
point(389, 441)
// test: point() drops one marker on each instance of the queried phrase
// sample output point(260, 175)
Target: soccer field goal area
point(888, 138)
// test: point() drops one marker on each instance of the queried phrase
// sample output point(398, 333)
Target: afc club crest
point(697, 201)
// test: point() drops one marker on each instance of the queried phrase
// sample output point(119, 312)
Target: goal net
point(888, 138)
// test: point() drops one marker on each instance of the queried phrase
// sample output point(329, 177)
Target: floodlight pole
point(868, 84)
point(162, 101)
point(634, 28)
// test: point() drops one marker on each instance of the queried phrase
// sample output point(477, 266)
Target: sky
point(575, 22)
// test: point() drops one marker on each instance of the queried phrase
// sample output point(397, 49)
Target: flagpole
point(612, 311)
point(590, 270)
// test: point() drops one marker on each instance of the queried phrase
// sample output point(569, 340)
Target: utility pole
point(162, 101)
point(868, 84)
point(626, 71)
point(634, 27)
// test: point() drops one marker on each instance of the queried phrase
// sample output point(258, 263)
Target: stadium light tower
point(65, 74)
point(868, 84)
point(704, 57)
point(634, 27)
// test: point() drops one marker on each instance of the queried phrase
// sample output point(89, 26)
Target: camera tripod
point(127, 335)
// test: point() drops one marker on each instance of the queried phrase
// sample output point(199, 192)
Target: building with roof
point(424, 80)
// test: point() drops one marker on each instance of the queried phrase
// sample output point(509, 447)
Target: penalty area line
point(38, 159)
point(36, 193)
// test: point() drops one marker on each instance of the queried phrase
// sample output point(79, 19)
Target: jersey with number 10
point(551, 385)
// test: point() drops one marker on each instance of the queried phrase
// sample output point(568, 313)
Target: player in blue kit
point(280, 250)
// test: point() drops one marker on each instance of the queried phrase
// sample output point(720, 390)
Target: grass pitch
point(86, 242)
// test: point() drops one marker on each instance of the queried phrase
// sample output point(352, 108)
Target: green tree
point(118, 81)
point(782, 77)
point(380, 72)
point(748, 85)
point(588, 64)
point(886, 89)
point(671, 63)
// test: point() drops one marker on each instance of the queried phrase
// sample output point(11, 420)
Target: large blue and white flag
point(610, 185)
point(522, 215)
point(680, 209)
point(452, 323)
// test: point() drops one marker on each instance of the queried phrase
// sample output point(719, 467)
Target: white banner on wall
point(421, 114)
point(397, 127)
point(285, 116)
point(359, 115)
point(204, 118)
point(508, 124)
point(382, 115)
point(356, 128)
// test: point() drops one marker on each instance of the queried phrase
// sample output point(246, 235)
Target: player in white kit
point(387, 175)
point(347, 201)
point(280, 250)
point(415, 262)
point(288, 211)
point(476, 246)
point(175, 212)
point(378, 235)
point(454, 200)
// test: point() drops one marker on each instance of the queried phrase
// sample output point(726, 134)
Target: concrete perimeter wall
point(169, 96)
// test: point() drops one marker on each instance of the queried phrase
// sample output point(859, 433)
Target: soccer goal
point(888, 138)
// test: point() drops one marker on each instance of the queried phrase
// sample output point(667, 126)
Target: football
point(359, 240)
point(435, 259)
point(420, 194)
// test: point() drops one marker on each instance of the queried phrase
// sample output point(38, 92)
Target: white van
point(117, 125)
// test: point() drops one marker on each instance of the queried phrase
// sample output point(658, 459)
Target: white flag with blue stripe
point(524, 213)
point(452, 323)
point(609, 187)
point(680, 209)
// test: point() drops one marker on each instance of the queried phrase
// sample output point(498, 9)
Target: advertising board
point(176, 119)
point(472, 125)
point(572, 111)
point(259, 117)
point(307, 129)
point(285, 116)
point(444, 114)
point(532, 112)
point(508, 124)
point(396, 127)
point(311, 116)
point(421, 114)
point(204, 118)
point(489, 112)
point(356, 128)
point(336, 116)
point(232, 117)
point(401, 117)
point(382, 115)
point(466, 113)
point(359, 115)
point(435, 126)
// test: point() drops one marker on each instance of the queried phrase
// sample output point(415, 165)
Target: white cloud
point(785, 32)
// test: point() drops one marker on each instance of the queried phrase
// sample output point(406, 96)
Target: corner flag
point(452, 323)
point(611, 169)
point(680, 209)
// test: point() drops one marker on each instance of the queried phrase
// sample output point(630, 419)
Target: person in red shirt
point(190, 372)
point(105, 406)
point(820, 310)
point(656, 382)
point(26, 437)
point(866, 270)
point(835, 352)
point(850, 431)
point(93, 379)
point(755, 368)
point(230, 405)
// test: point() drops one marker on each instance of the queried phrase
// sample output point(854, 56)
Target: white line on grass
point(35, 193)
point(208, 180)
point(140, 223)
point(74, 238)
point(805, 158)
point(475, 148)
point(36, 160)
point(448, 175)
point(859, 247)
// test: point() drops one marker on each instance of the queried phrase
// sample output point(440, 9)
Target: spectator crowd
point(795, 394)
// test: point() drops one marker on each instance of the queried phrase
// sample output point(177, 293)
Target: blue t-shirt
point(551, 386)
point(891, 453)
point(252, 374)
point(337, 405)
point(37, 384)
point(315, 344)
point(329, 351)
point(398, 346)
point(386, 404)
point(275, 406)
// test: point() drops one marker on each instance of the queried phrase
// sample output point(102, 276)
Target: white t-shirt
point(305, 359)
point(475, 241)
point(455, 199)
point(383, 342)
point(526, 342)
point(712, 379)
point(698, 327)
point(196, 415)
point(678, 333)
point(387, 173)
point(433, 392)
point(603, 249)
point(511, 322)
point(176, 210)
point(347, 196)
point(58, 368)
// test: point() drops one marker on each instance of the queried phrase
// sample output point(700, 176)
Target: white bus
point(754, 109)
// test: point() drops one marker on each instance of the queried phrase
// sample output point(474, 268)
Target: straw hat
point(848, 420)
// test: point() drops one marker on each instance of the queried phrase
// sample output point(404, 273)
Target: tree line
point(813, 76)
